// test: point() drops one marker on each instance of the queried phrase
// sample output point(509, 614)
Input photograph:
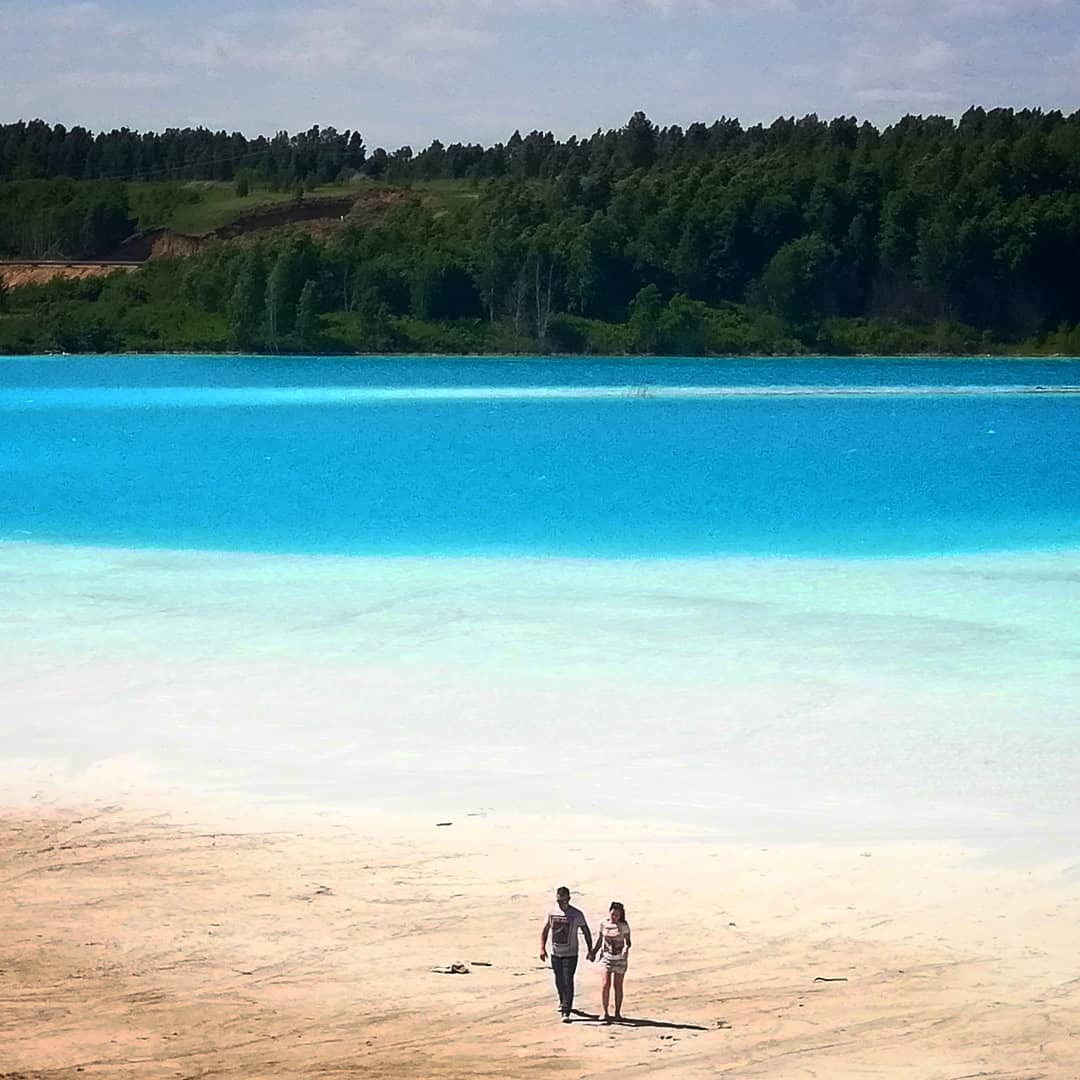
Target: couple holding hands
point(611, 948)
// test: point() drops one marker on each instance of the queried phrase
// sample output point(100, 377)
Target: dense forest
point(932, 235)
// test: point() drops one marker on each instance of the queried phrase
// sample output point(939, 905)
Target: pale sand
point(162, 944)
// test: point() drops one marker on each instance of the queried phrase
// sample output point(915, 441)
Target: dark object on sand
point(825, 978)
point(453, 969)
point(442, 824)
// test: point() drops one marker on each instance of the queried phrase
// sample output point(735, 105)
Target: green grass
point(451, 193)
point(200, 207)
point(218, 205)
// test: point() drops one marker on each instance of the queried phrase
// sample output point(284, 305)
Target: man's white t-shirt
point(563, 927)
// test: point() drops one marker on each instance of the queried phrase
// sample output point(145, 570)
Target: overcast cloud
point(407, 71)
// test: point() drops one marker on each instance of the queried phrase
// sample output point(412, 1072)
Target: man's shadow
point(639, 1022)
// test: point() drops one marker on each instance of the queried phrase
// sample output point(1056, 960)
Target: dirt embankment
point(322, 217)
point(291, 213)
point(16, 274)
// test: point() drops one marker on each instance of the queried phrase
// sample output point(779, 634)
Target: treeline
point(40, 151)
point(37, 150)
point(932, 235)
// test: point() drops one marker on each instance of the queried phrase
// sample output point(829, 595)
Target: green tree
point(277, 301)
point(639, 142)
point(441, 288)
point(681, 327)
point(898, 238)
point(645, 312)
point(798, 282)
point(374, 320)
point(307, 314)
point(246, 303)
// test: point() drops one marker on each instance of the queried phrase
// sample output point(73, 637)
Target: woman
point(612, 947)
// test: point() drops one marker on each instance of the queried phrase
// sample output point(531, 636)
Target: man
point(563, 923)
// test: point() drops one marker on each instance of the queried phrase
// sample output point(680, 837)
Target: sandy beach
point(149, 944)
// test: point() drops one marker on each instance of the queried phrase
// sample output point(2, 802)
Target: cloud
point(906, 97)
point(921, 73)
point(673, 7)
point(28, 18)
point(71, 17)
point(116, 80)
point(932, 56)
point(215, 49)
point(443, 36)
point(932, 9)
point(371, 34)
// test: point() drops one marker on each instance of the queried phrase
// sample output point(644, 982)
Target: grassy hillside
point(201, 207)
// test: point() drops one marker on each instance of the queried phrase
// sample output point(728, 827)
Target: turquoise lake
point(600, 458)
point(820, 599)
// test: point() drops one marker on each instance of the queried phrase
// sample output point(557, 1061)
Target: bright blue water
point(349, 456)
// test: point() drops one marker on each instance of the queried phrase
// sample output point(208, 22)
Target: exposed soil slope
point(320, 216)
point(16, 274)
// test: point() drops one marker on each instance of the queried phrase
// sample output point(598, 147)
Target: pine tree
point(645, 318)
point(307, 314)
point(277, 299)
point(244, 306)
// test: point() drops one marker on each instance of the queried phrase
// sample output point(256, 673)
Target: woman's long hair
point(616, 906)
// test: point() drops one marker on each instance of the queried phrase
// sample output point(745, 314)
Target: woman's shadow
point(639, 1022)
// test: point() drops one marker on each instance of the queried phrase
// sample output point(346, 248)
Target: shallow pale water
point(449, 652)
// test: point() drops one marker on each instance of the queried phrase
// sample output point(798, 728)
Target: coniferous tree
point(246, 302)
point(307, 314)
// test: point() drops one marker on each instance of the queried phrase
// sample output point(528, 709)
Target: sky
point(408, 71)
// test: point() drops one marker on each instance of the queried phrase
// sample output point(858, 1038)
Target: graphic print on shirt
point(560, 929)
point(613, 939)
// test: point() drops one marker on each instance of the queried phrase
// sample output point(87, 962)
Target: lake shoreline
point(555, 357)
